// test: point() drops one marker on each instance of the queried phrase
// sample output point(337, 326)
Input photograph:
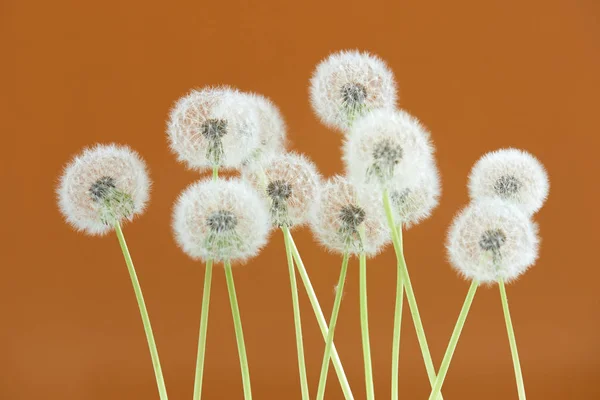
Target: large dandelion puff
point(512, 175)
point(348, 84)
point(272, 129)
point(102, 186)
point(221, 220)
point(338, 217)
point(386, 146)
point(289, 182)
point(492, 240)
point(214, 127)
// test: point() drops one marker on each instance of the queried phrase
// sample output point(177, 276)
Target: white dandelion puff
point(272, 129)
point(386, 146)
point(221, 220)
point(103, 185)
point(348, 84)
point(213, 127)
point(491, 240)
point(289, 182)
point(414, 202)
point(512, 175)
point(339, 219)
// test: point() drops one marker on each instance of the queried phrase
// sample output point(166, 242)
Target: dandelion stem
point(239, 333)
point(314, 301)
point(203, 331)
point(397, 329)
point(410, 295)
point(332, 322)
point(460, 323)
point(297, 320)
point(215, 172)
point(162, 390)
point(512, 340)
point(364, 326)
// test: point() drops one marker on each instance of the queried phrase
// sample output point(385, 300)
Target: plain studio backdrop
point(480, 75)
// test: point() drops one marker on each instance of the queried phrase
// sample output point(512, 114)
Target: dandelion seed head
point(492, 239)
point(221, 220)
point(512, 175)
point(101, 186)
point(272, 130)
point(289, 183)
point(348, 84)
point(216, 126)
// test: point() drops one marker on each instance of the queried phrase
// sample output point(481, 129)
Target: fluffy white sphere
point(272, 129)
point(385, 146)
point(103, 185)
point(221, 220)
point(214, 127)
point(492, 239)
point(512, 175)
point(338, 217)
point(414, 201)
point(349, 83)
point(289, 182)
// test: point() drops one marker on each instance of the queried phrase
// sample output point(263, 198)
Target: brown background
point(480, 74)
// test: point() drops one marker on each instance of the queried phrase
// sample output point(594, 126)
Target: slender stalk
point(215, 172)
point(297, 320)
point(239, 333)
point(460, 323)
point(410, 295)
point(160, 382)
point(397, 329)
point(364, 326)
point(332, 322)
point(512, 340)
point(203, 331)
point(314, 301)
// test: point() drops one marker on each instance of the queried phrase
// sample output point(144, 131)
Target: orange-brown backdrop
point(480, 75)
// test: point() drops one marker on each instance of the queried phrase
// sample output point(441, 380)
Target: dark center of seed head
point(214, 128)
point(102, 188)
point(492, 240)
point(279, 190)
point(507, 185)
point(354, 94)
point(399, 198)
point(221, 221)
point(387, 152)
point(352, 216)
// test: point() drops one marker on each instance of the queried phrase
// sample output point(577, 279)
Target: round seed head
point(348, 84)
point(103, 185)
point(344, 220)
point(492, 239)
point(272, 129)
point(214, 127)
point(386, 146)
point(289, 183)
point(511, 175)
point(220, 220)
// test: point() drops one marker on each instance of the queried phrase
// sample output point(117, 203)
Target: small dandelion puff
point(213, 127)
point(386, 146)
point(348, 84)
point(338, 217)
point(289, 183)
point(272, 129)
point(103, 185)
point(492, 239)
point(221, 220)
point(512, 175)
point(414, 202)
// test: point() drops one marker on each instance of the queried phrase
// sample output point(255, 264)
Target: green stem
point(462, 317)
point(203, 331)
point(215, 172)
point(332, 322)
point(297, 320)
point(314, 301)
point(397, 329)
point(364, 326)
point(410, 295)
point(512, 340)
point(239, 333)
point(162, 390)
